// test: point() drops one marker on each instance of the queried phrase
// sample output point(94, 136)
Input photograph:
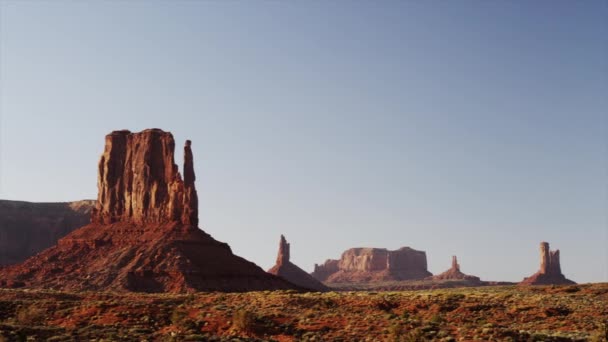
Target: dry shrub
point(244, 321)
point(30, 315)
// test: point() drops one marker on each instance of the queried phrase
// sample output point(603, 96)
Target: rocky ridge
point(27, 228)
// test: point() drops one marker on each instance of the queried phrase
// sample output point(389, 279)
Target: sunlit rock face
point(139, 182)
point(374, 264)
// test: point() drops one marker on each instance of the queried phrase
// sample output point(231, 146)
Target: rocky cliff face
point(454, 273)
point(292, 273)
point(143, 235)
point(323, 271)
point(139, 182)
point(374, 264)
point(27, 228)
point(550, 272)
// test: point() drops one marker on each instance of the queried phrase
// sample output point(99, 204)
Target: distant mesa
point(292, 273)
point(454, 273)
point(27, 228)
point(357, 265)
point(143, 234)
point(550, 272)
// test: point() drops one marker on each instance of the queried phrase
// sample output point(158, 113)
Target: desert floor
point(498, 313)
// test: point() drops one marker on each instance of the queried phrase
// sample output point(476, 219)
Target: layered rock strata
point(374, 264)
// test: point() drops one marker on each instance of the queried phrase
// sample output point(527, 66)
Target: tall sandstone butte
point(143, 234)
point(291, 272)
point(550, 272)
point(139, 182)
point(374, 264)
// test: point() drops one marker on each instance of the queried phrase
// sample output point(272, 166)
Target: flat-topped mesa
point(374, 264)
point(139, 182)
point(283, 255)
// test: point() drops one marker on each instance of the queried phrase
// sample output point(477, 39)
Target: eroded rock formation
point(323, 271)
point(143, 235)
point(374, 264)
point(454, 273)
point(139, 182)
point(27, 228)
point(550, 272)
point(292, 273)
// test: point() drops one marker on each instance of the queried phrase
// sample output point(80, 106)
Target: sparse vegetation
point(507, 313)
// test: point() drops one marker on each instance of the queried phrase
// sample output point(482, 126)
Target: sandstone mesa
point(372, 265)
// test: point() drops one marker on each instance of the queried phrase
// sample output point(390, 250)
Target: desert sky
point(467, 128)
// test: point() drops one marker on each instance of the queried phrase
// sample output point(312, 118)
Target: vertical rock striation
point(139, 182)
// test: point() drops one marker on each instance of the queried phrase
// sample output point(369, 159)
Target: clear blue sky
point(475, 128)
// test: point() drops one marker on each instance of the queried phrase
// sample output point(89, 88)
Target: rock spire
point(550, 272)
point(292, 273)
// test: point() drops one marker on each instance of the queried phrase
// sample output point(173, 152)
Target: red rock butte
point(291, 272)
point(373, 264)
point(139, 182)
point(143, 234)
point(550, 272)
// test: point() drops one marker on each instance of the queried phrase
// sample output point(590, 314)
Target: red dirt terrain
point(143, 235)
point(507, 313)
point(27, 228)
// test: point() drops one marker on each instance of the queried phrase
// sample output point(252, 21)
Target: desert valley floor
point(492, 313)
